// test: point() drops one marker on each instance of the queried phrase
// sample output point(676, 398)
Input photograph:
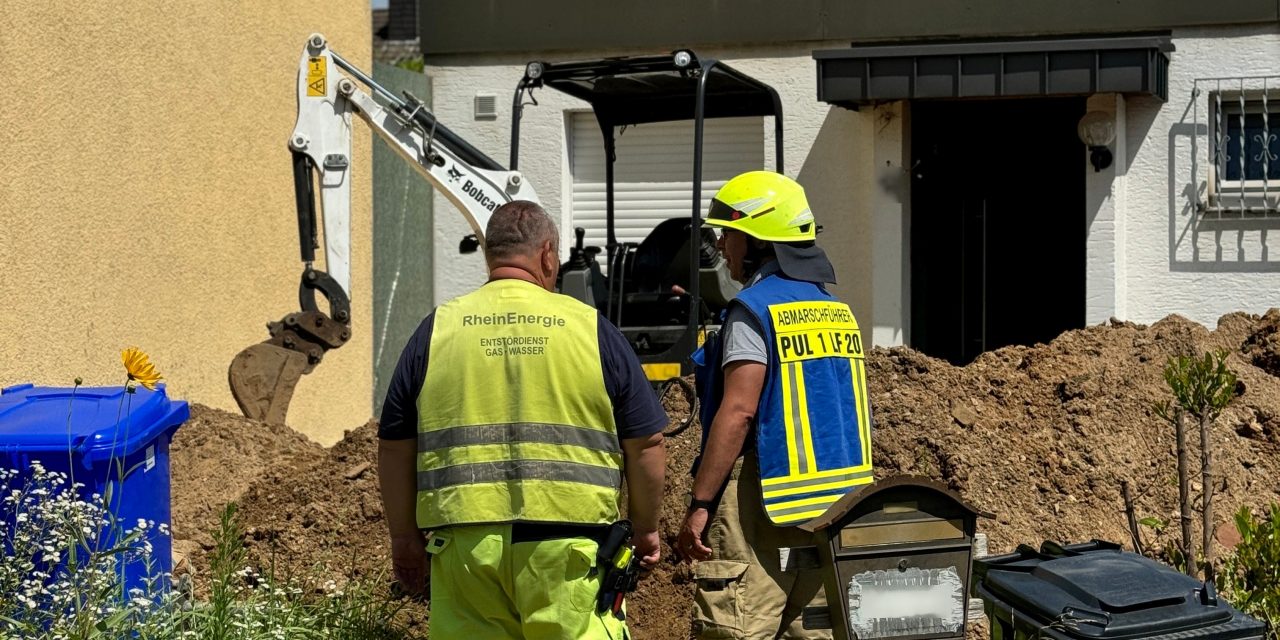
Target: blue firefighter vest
point(813, 423)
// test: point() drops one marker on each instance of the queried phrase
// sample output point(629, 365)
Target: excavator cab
point(667, 290)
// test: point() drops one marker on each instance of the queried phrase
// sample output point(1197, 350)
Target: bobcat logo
point(454, 174)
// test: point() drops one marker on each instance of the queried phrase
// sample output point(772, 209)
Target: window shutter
point(653, 176)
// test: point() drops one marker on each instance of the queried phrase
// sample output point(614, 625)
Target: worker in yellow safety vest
point(786, 422)
point(510, 422)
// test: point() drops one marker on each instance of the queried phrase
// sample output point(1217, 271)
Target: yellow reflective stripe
point(477, 434)
point(782, 514)
point(802, 481)
point(864, 413)
point(809, 461)
point(793, 510)
point(798, 517)
point(807, 476)
point(580, 496)
point(496, 453)
point(790, 491)
point(803, 502)
point(515, 472)
point(788, 403)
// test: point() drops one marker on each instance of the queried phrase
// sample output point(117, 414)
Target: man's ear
point(550, 257)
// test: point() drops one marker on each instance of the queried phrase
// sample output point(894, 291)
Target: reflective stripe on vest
point(813, 434)
point(514, 422)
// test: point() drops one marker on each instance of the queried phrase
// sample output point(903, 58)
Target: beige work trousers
point(743, 591)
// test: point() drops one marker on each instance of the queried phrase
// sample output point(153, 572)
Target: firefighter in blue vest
point(511, 420)
point(786, 421)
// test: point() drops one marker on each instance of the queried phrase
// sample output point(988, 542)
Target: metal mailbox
point(897, 559)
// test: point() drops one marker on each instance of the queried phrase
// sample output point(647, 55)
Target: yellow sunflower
point(139, 368)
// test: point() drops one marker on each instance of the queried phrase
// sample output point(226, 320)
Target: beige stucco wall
point(147, 198)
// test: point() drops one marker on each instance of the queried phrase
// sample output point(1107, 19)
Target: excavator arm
point(330, 90)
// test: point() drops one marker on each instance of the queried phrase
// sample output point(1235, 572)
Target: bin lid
point(1100, 591)
point(35, 419)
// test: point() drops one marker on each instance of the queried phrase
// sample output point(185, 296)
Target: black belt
point(542, 531)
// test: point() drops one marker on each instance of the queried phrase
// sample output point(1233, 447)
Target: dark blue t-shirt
point(636, 409)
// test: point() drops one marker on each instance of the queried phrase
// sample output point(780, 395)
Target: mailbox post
point(897, 558)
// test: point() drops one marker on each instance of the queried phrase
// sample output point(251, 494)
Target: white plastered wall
point(1105, 205)
point(1147, 255)
point(1150, 255)
point(827, 149)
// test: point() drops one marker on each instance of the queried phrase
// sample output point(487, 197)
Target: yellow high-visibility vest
point(514, 422)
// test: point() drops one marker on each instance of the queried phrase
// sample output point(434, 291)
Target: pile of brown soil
point(1263, 345)
point(324, 520)
point(1039, 436)
point(325, 517)
point(214, 458)
point(660, 608)
point(1043, 437)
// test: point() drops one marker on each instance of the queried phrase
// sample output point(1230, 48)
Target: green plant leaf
point(1153, 522)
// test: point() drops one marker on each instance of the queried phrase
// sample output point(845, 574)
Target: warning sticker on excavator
point(661, 371)
point(317, 77)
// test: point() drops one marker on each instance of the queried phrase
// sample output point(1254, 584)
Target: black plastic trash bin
point(1095, 590)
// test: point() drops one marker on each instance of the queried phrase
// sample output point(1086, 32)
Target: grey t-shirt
point(743, 335)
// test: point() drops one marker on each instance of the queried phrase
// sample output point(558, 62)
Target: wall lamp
point(1097, 129)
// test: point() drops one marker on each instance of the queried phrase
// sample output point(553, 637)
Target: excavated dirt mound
point(1263, 345)
point(323, 518)
point(214, 458)
point(327, 517)
point(1041, 437)
point(660, 608)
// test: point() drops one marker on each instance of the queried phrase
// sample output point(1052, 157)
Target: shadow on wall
point(402, 244)
point(837, 178)
point(1140, 116)
point(1207, 241)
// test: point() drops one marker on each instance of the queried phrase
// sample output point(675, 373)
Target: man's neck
point(510, 272)
point(768, 267)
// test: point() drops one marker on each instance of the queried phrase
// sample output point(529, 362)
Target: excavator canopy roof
point(641, 89)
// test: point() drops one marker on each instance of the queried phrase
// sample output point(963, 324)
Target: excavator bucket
point(262, 379)
point(263, 376)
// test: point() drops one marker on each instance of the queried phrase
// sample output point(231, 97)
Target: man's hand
point(648, 548)
point(409, 562)
point(646, 468)
point(397, 466)
point(690, 540)
point(743, 381)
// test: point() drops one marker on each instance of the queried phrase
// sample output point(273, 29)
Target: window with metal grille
point(1242, 120)
point(1249, 142)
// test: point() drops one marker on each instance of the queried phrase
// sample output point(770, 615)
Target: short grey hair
point(518, 228)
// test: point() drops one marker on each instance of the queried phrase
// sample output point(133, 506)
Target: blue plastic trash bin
point(34, 427)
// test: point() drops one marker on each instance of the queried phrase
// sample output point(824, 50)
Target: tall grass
point(58, 581)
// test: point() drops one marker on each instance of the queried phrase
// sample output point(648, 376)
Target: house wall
point(1169, 259)
point(451, 26)
point(827, 149)
point(147, 195)
point(1147, 255)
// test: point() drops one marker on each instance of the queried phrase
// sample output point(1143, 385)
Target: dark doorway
point(997, 224)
